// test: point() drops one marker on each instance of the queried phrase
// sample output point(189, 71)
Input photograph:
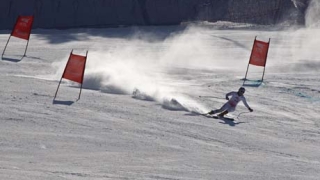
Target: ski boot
point(212, 112)
point(221, 115)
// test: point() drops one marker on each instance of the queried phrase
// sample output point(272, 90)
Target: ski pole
point(240, 114)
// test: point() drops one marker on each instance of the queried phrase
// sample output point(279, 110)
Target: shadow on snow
point(67, 103)
point(225, 121)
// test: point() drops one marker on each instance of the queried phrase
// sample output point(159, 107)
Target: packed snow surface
point(144, 88)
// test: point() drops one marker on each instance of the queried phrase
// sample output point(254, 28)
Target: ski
point(218, 117)
point(223, 118)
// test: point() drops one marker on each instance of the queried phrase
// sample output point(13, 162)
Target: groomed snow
point(138, 113)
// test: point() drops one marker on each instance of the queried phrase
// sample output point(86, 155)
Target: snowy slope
point(111, 133)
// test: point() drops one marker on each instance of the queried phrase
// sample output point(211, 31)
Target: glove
point(250, 109)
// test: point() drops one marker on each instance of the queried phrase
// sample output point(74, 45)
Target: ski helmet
point(242, 90)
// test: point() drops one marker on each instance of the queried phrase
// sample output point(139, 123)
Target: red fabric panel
point(75, 68)
point(22, 28)
point(259, 53)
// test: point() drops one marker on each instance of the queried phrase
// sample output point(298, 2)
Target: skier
point(230, 106)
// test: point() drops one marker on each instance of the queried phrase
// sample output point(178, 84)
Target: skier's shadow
point(225, 121)
point(230, 123)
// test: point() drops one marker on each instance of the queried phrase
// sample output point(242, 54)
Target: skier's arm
point(246, 104)
point(228, 94)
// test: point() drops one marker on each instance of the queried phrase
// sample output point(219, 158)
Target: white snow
point(155, 133)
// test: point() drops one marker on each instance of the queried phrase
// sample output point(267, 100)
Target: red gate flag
point(259, 53)
point(23, 26)
point(258, 56)
point(22, 29)
point(74, 70)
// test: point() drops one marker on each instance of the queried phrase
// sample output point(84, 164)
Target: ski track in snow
point(138, 116)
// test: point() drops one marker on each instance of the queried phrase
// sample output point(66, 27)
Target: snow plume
point(120, 71)
point(140, 68)
point(189, 49)
point(313, 14)
point(299, 3)
point(304, 52)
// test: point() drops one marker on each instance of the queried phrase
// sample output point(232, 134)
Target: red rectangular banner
point(74, 70)
point(259, 53)
point(23, 26)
